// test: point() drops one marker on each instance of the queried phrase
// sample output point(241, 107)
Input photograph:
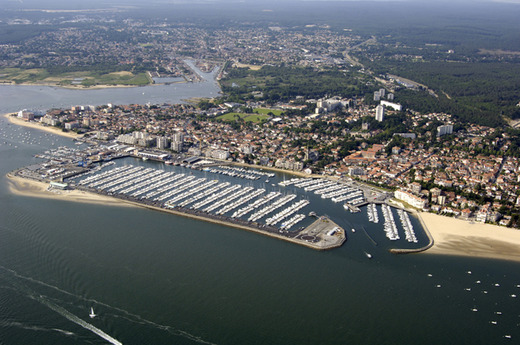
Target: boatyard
point(250, 199)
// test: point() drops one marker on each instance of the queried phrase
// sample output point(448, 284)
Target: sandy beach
point(462, 238)
point(27, 187)
point(15, 120)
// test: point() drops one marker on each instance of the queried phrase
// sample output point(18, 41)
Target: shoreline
point(458, 237)
point(31, 188)
point(78, 87)
point(35, 125)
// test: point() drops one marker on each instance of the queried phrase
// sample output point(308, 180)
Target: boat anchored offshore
point(368, 255)
point(92, 314)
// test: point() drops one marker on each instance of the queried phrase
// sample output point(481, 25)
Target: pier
point(430, 244)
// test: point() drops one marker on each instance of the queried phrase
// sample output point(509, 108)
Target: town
point(310, 97)
point(431, 166)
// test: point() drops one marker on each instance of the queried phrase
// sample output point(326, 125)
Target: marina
point(213, 191)
point(274, 214)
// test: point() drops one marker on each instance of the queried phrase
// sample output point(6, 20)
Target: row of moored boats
point(197, 193)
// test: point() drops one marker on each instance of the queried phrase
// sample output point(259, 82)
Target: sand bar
point(462, 238)
point(15, 120)
point(32, 188)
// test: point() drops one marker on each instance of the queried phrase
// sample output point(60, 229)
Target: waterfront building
point(49, 120)
point(26, 115)
point(127, 139)
point(410, 199)
point(58, 185)
point(217, 153)
point(162, 142)
point(71, 125)
point(177, 146)
point(177, 141)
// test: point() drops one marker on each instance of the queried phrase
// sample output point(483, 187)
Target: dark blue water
point(155, 278)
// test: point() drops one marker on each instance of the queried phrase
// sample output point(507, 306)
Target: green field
point(275, 112)
point(256, 118)
point(75, 78)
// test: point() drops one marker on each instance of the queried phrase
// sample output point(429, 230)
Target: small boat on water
point(353, 230)
point(92, 314)
point(368, 255)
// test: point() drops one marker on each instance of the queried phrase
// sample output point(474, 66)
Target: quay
point(323, 234)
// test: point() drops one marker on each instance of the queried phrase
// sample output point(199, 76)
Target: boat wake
point(121, 313)
point(78, 321)
point(20, 325)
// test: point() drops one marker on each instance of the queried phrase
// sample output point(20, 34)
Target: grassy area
point(275, 112)
point(117, 78)
point(256, 118)
point(19, 76)
point(79, 78)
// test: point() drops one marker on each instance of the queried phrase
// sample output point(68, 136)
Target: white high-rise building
point(177, 141)
point(380, 113)
point(162, 142)
point(178, 136)
point(443, 130)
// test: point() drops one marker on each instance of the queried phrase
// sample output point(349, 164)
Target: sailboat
point(92, 314)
